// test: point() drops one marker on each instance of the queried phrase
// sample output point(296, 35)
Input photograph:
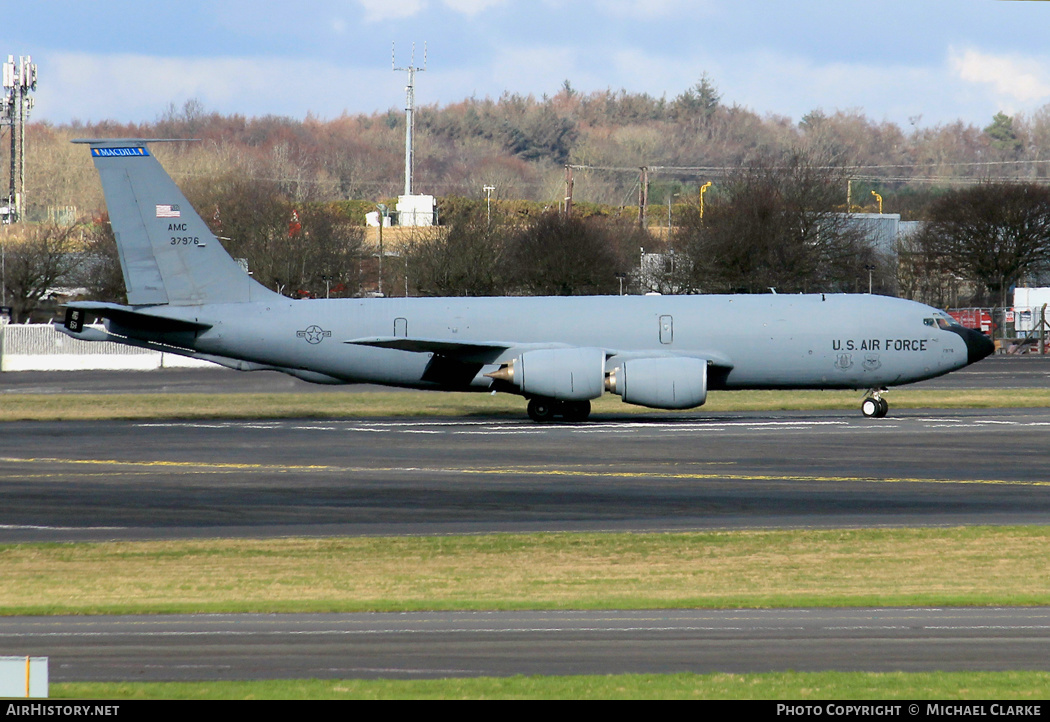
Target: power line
point(727, 169)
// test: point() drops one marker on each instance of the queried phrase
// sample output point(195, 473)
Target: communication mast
point(410, 103)
point(412, 210)
point(19, 79)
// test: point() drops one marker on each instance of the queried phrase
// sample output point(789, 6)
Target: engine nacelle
point(566, 374)
point(660, 383)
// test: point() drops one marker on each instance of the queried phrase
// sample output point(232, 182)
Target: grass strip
point(76, 407)
point(1017, 687)
point(964, 566)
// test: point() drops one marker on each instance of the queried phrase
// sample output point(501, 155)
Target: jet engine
point(566, 374)
point(660, 383)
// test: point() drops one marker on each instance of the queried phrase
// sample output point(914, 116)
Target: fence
point(42, 347)
point(1015, 329)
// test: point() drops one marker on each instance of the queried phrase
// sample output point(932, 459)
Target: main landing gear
point(542, 410)
point(874, 406)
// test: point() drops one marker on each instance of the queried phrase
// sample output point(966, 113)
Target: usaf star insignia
point(313, 334)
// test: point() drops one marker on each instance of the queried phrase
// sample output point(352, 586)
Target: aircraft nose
point(977, 345)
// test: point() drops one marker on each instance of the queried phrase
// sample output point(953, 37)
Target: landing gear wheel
point(541, 410)
point(870, 408)
point(883, 408)
point(874, 408)
point(576, 410)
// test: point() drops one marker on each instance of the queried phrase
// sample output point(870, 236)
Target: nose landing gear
point(874, 406)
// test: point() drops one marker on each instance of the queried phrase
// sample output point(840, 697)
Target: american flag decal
point(168, 211)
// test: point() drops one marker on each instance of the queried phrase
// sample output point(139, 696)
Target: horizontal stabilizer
point(129, 318)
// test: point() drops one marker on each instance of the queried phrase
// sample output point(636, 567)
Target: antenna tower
point(410, 102)
point(15, 104)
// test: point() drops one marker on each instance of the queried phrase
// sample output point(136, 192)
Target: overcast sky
point(897, 60)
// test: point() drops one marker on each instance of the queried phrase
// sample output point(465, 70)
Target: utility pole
point(869, 268)
point(19, 80)
point(410, 102)
point(643, 198)
point(3, 268)
point(1042, 330)
point(488, 206)
point(569, 182)
point(382, 221)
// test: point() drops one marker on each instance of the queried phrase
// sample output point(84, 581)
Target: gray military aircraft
point(186, 295)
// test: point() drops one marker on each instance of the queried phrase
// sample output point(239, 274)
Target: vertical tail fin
point(167, 253)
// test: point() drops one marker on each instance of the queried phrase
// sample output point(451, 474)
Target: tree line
point(776, 226)
point(519, 144)
point(772, 220)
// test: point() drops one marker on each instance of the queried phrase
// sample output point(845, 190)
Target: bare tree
point(38, 258)
point(992, 234)
point(330, 249)
point(252, 221)
point(778, 223)
point(555, 255)
point(296, 249)
point(100, 270)
point(464, 258)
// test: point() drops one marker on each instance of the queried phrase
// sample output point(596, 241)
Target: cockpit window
point(944, 321)
point(929, 322)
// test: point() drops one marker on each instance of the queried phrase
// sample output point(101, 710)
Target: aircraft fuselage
point(816, 341)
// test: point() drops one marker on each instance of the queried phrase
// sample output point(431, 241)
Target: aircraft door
point(400, 328)
point(666, 329)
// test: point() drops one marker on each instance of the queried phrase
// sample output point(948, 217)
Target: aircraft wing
point(484, 352)
point(489, 352)
point(562, 371)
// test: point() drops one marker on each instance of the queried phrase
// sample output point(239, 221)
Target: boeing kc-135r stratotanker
point(186, 295)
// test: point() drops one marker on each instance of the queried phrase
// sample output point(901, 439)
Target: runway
point(467, 644)
point(76, 481)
